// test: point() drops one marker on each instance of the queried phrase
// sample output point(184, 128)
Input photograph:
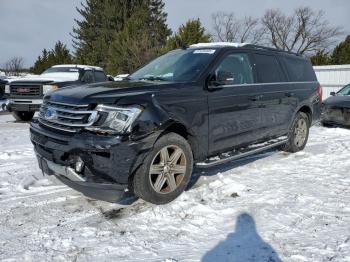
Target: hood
point(108, 92)
point(48, 78)
point(338, 101)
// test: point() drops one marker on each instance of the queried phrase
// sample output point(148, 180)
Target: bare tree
point(306, 31)
point(14, 66)
point(228, 28)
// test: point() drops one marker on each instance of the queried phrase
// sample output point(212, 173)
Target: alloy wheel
point(300, 132)
point(168, 169)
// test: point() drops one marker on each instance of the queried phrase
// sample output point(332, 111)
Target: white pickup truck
point(26, 94)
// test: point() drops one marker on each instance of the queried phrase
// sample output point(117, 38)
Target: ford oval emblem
point(50, 114)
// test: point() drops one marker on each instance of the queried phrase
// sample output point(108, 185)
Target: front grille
point(24, 107)
point(25, 90)
point(66, 117)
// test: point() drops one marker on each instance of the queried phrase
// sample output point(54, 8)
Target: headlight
point(49, 88)
point(7, 89)
point(116, 120)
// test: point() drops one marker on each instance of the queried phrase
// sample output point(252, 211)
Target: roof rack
point(79, 66)
point(270, 49)
point(216, 44)
point(230, 44)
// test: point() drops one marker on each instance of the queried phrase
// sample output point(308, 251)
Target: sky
point(29, 26)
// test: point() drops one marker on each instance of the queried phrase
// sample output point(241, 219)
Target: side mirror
point(221, 78)
point(110, 78)
point(332, 93)
point(224, 76)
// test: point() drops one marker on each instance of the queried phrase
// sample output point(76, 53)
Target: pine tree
point(321, 58)
point(190, 33)
point(157, 21)
point(341, 54)
point(133, 46)
point(141, 39)
point(101, 21)
point(58, 55)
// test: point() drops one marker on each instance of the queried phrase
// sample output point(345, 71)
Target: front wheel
point(298, 134)
point(22, 115)
point(166, 170)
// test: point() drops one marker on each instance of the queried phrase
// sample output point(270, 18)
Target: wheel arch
point(180, 129)
point(307, 110)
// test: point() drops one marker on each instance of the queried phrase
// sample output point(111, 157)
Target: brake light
point(320, 92)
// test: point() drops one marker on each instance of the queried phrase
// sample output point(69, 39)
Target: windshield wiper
point(153, 78)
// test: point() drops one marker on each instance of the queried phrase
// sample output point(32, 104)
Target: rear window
point(268, 69)
point(61, 70)
point(299, 70)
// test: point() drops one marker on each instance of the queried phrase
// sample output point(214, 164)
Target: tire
point(298, 134)
point(2, 92)
point(164, 182)
point(23, 116)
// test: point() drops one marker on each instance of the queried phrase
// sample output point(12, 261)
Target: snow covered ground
point(271, 207)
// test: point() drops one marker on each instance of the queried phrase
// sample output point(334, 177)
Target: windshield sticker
point(73, 70)
point(204, 51)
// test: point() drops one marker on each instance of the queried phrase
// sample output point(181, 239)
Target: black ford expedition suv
point(198, 106)
point(26, 94)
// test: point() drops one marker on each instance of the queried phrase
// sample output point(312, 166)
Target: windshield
point(61, 70)
point(345, 91)
point(177, 66)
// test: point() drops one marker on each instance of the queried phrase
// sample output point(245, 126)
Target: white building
point(332, 77)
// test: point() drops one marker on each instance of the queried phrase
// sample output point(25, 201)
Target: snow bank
point(271, 207)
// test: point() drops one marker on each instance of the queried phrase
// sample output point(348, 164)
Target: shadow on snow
point(243, 245)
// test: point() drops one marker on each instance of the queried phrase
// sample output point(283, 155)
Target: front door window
point(235, 69)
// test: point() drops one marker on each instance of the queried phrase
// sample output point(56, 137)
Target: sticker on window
point(204, 51)
point(73, 70)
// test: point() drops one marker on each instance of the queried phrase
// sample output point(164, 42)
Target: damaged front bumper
point(68, 176)
point(107, 161)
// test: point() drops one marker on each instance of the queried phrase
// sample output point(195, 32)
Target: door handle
point(289, 94)
point(255, 98)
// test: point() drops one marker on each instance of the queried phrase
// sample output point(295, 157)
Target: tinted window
point(234, 69)
point(299, 69)
point(61, 70)
point(87, 77)
point(268, 69)
point(100, 76)
point(345, 91)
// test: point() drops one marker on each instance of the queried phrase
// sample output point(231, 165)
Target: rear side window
point(268, 69)
point(299, 70)
point(100, 76)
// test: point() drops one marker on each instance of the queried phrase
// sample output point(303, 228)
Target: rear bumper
point(336, 116)
point(316, 112)
point(101, 191)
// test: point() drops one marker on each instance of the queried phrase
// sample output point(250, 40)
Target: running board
point(243, 152)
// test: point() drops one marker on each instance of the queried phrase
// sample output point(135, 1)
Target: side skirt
point(242, 152)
